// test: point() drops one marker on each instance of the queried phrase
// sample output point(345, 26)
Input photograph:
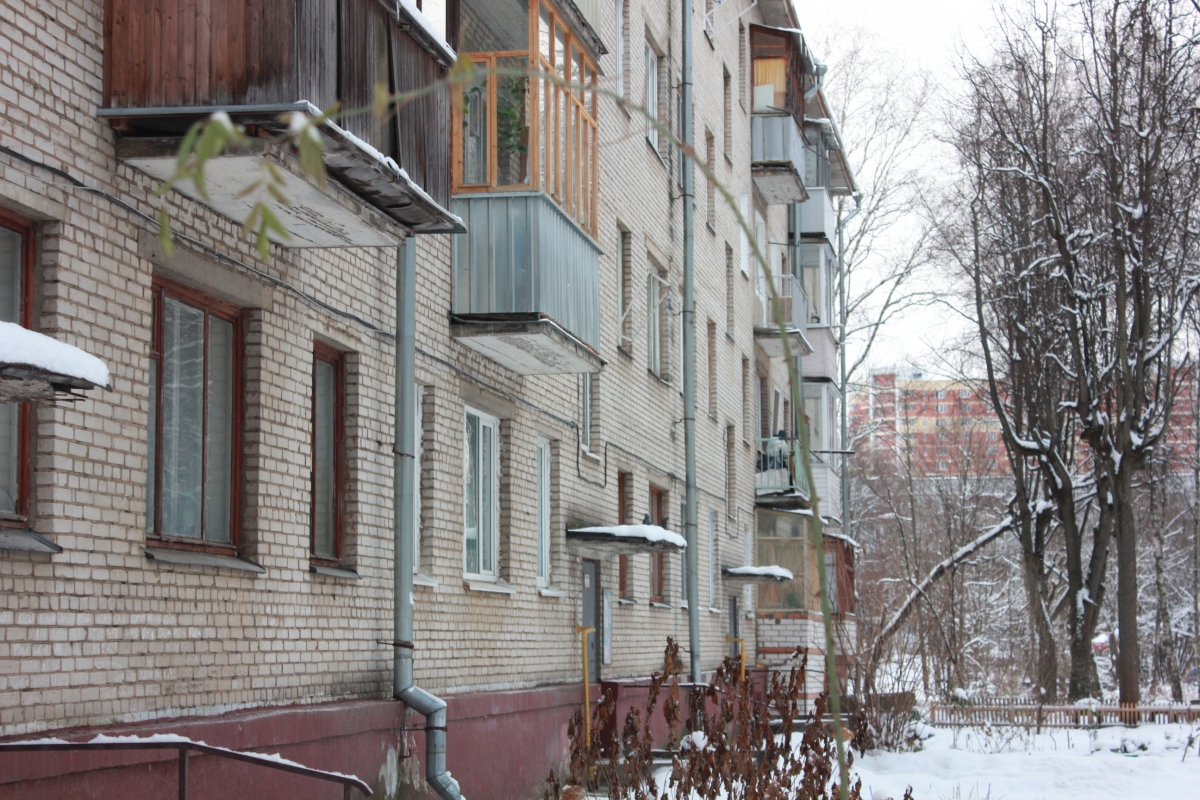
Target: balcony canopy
point(756, 575)
point(601, 541)
point(34, 366)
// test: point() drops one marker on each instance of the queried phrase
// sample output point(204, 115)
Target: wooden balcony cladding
point(180, 54)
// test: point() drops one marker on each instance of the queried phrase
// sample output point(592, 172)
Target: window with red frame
point(195, 419)
point(16, 305)
point(657, 560)
point(327, 416)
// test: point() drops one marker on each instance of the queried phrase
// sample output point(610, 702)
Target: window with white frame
point(418, 426)
point(654, 323)
point(585, 410)
point(712, 558)
point(481, 505)
point(653, 67)
point(543, 512)
point(622, 11)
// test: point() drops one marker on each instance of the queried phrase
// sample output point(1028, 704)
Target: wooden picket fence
point(1029, 714)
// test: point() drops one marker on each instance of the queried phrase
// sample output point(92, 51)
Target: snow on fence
point(1029, 714)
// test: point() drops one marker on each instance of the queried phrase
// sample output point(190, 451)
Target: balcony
point(822, 360)
point(817, 217)
point(777, 158)
point(794, 307)
point(526, 284)
point(779, 480)
point(827, 483)
point(261, 61)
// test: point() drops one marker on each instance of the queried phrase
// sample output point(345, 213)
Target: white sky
point(932, 33)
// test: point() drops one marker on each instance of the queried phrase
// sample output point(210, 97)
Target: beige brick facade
point(100, 634)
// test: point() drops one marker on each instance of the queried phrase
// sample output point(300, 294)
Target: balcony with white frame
point(793, 307)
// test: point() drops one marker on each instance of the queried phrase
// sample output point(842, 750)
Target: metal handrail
point(349, 782)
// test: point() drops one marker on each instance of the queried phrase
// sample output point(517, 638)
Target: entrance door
point(591, 617)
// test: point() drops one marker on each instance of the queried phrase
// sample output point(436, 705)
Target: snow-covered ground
point(1008, 764)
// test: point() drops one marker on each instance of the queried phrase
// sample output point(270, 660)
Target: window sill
point(657, 155)
point(551, 591)
point(626, 601)
point(195, 558)
point(712, 610)
point(729, 159)
point(334, 572)
point(657, 604)
point(628, 353)
point(711, 229)
point(422, 579)
point(593, 456)
point(27, 541)
point(489, 586)
point(729, 336)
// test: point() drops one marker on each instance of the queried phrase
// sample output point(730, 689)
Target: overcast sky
point(932, 34)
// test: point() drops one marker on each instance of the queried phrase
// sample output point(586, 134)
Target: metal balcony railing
point(187, 748)
point(792, 301)
point(779, 468)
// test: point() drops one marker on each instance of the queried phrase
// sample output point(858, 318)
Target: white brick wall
point(98, 633)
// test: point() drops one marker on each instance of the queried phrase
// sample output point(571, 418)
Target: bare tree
point(1087, 113)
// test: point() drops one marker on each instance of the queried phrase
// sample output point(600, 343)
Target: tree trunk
point(1128, 659)
point(1166, 641)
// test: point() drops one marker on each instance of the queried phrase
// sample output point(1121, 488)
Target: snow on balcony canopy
point(606, 540)
point(764, 574)
point(30, 360)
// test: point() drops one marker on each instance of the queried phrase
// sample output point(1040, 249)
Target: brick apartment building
point(206, 546)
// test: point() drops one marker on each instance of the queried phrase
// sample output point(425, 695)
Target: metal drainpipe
point(404, 462)
point(689, 352)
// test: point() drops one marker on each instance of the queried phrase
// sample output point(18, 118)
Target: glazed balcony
point(526, 284)
point(176, 62)
point(817, 217)
point(777, 154)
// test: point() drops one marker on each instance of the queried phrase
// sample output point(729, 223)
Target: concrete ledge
point(27, 541)
point(193, 558)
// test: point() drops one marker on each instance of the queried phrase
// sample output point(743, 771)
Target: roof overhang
point(526, 343)
point(602, 541)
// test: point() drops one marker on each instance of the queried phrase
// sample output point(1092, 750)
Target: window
point(771, 53)
point(418, 426)
point(746, 422)
point(941, 394)
point(482, 488)
point(831, 580)
point(195, 418)
point(683, 570)
point(653, 69)
point(625, 583)
point(712, 558)
point(620, 47)
point(585, 410)
point(543, 512)
point(625, 291)
point(710, 150)
point(327, 426)
point(730, 467)
point(519, 133)
point(743, 78)
point(712, 369)
point(727, 113)
point(744, 207)
point(728, 289)
point(964, 394)
point(657, 560)
point(655, 319)
point(781, 539)
point(942, 408)
point(16, 294)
